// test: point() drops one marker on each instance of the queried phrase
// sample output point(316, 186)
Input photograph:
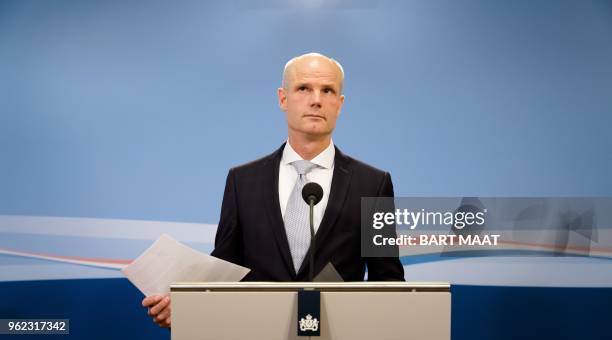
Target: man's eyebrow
point(330, 86)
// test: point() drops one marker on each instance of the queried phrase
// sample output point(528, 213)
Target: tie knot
point(303, 167)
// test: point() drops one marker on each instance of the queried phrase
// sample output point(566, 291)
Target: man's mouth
point(314, 116)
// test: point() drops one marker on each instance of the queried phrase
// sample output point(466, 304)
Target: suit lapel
point(270, 197)
point(341, 181)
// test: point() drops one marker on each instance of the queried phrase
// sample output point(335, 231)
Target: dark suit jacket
point(251, 231)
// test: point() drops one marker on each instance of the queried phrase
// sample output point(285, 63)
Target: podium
point(349, 310)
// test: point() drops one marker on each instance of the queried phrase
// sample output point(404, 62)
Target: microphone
point(312, 193)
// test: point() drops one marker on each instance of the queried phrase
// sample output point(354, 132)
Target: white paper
point(168, 260)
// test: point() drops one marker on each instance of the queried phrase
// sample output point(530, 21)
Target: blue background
point(137, 109)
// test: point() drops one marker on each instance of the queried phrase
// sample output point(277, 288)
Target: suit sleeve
point(385, 268)
point(229, 241)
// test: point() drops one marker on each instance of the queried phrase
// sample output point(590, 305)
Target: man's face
point(312, 99)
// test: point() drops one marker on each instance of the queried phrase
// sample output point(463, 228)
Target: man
point(264, 221)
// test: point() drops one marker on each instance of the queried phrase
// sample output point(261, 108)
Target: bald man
point(263, 224)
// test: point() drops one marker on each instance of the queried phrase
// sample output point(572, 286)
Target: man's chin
point(317, 133)
point(313, 131)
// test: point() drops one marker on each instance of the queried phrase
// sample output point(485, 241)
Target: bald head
point(292, 66)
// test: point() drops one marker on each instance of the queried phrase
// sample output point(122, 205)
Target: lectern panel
point(269, 312)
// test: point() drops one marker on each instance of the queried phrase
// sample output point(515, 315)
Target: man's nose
point(315, 98)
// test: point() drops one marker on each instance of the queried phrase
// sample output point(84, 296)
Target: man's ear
point(282, 98)
point(341, 104)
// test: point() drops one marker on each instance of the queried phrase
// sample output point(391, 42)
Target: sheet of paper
point(328, 274)
point(168, 260)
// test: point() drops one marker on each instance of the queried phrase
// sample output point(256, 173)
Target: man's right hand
point(158, 308)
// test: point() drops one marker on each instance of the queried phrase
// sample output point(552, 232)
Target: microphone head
point(312, 191)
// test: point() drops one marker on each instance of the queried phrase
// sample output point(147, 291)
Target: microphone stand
point(312, 193)
point(311, 200)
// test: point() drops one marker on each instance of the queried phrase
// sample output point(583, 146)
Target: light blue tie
point(296, 216)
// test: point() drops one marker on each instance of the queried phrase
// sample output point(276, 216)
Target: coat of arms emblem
point(309, 324)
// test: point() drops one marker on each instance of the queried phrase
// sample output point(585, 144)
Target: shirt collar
point(325, 159)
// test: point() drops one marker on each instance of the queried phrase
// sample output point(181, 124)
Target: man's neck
point(309, 148)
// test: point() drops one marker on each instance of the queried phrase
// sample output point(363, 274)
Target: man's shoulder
point(367, 179)
point(257, 164)
point(358, 165)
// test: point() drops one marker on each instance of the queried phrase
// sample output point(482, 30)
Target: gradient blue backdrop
point(137, 109)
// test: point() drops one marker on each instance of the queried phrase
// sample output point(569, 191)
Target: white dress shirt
point(322, 174)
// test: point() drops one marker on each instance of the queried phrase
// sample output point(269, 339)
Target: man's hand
point(159, 309)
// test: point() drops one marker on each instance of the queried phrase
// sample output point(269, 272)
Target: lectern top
point(382, 286)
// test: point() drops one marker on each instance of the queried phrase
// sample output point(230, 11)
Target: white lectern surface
point(349, 310)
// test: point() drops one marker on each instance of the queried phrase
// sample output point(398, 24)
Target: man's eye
point(302, 88)
point(328, 91)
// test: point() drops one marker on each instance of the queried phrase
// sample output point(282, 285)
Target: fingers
point(163, 318)
point(158, 308)
point(163, 315)
point(161, 305)
point(151, 300)
point(165, 323)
